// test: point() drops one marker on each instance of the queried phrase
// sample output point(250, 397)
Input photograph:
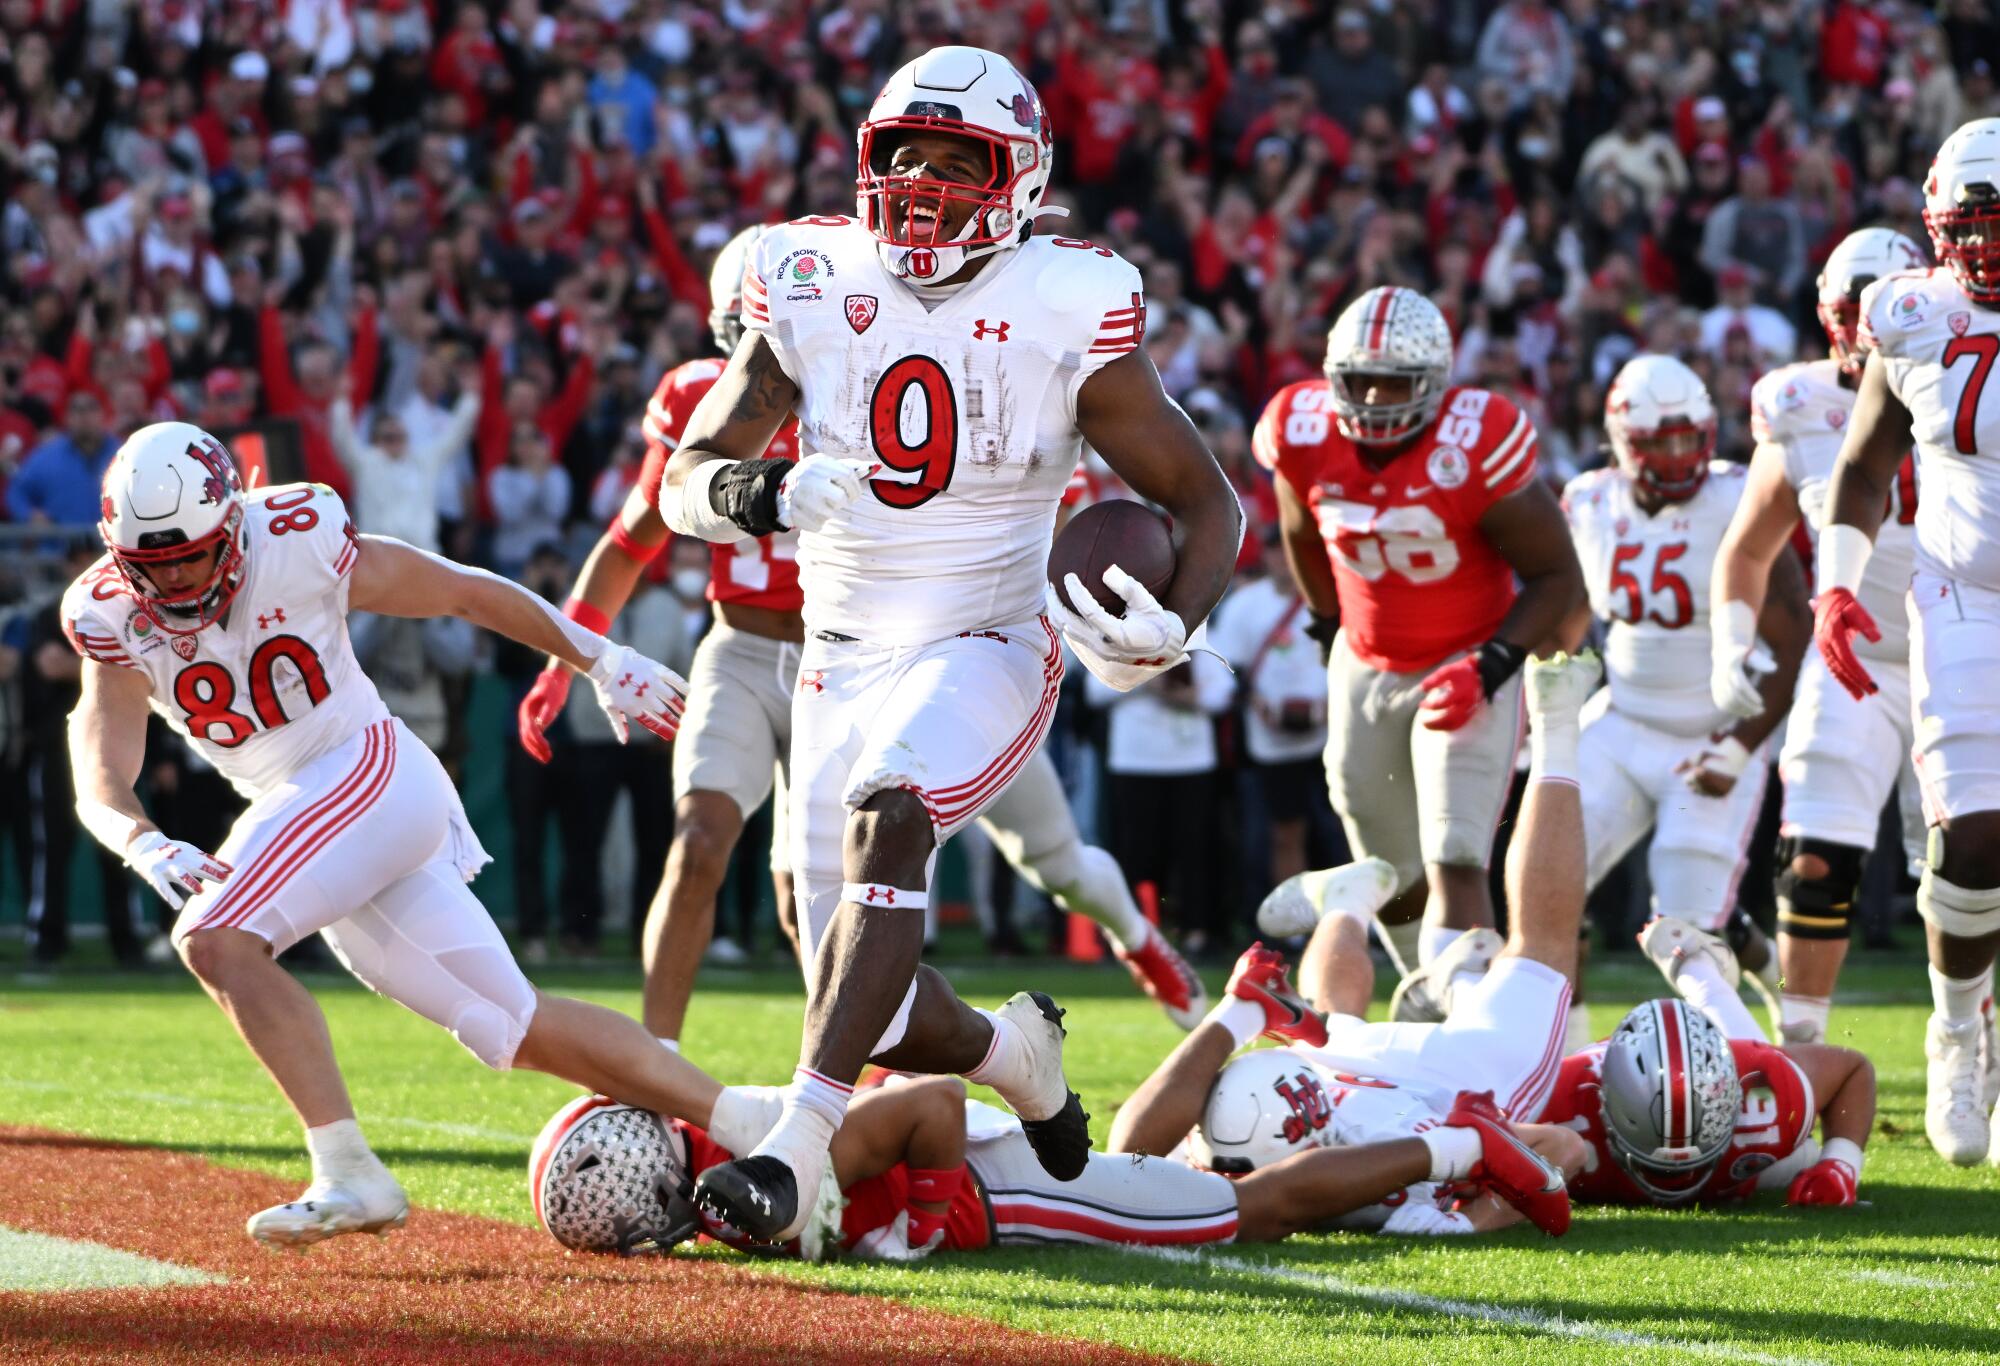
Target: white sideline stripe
point(1902, 1278)
point(431, 1126)
point(1534, 1321)
point(36, 1261)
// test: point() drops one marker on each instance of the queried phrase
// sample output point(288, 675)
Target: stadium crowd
point(454, 244)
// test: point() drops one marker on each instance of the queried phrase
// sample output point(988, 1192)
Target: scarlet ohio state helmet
point(725, 288)
point(1670, 1096)
point(1860, 260)
point(1662, 425)
point(173, 492)
point(970, 93)
point(1962, 208)
point(1387, 331)
point(1263, 1107)
point(605, 1177)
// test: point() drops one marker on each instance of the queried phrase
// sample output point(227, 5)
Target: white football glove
point(891, 1242)
point(819, 488)
point(177, 871)
point(1713, 769)
point(1122, 651)
point(1423, 1218)
point(1737, 663)
point(631, 687)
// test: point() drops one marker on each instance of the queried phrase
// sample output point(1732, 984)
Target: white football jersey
point(273, 685)
point(1648, 577)
point(973, 402)
point(1803, 410)
point(1939, 348)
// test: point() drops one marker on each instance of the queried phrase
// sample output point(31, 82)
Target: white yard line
point(1532, 1320)
point(1901, 1278)
point(36, 1261)
point(178, 1101)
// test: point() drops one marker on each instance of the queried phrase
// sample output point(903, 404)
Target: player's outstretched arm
point(1529, 530)
point(1846, 1080)
point(1785, 624)
point(1168, 1104)
point(1310, 1190)
point(1757, 536)
point(1878, 437)
point(719, 485)
point(1149, 443)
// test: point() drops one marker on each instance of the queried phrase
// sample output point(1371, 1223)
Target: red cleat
point(1160, 971)
point(1260, 977)
point(1510, 1168)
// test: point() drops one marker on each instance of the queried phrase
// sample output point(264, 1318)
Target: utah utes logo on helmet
point(222, 478)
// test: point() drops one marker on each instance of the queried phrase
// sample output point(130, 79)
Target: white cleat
point(1301, 901)
point(1425, 995)
point(1954, 1119)
point(1670, 943)
point(329, 1208)
point(1989, 1060)
point(1561, 683)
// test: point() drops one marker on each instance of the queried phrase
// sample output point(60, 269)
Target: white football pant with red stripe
point(370, 845)
point(1120, 1199)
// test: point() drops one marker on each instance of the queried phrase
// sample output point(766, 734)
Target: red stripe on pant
point(958, 811)
point(1062, 1219)
point(255, 881)
point(1051, 683)
point(1542, 1079)
point(378, 784)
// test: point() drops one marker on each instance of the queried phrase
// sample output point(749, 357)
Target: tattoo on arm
point(765, 388)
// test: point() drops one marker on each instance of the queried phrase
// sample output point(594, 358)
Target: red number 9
point(935, 456)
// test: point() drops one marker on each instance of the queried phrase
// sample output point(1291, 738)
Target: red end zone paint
point(450, 1287)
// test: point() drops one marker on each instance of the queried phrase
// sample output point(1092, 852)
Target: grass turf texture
point(1913, 1276)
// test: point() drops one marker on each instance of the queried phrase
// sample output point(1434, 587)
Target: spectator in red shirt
point(1854, 45)
point(307, 392)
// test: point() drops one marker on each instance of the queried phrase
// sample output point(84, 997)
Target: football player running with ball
point(226, 613)
point(1932, 338)
point(945, 366)
point(1842, 755)
point(1409, 508)
point(1658, 753)
point(739, 720)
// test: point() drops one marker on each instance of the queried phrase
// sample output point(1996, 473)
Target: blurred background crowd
point(444, 249)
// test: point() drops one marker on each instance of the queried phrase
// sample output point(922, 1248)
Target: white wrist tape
point(112, 829)
point(1843, 558)
point(1735, 625)
point(693, 515)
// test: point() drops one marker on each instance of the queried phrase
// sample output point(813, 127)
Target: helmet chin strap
point(947, 260)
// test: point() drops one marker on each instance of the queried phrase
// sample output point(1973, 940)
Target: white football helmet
point(1662, 425)
point(1670, 1096)
point(969, 93)
point(1962, 208)
point(171, 493)
point(1395, 332)
point(1862, 258)
point(1264, 1107)
point(606, 1177)
point(725, 288)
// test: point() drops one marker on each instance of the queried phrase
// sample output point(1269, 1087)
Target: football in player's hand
point(1117, 531)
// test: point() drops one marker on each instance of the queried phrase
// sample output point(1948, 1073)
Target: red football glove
point(1510, 1168)
point(1837, 618)
point(1452, 694)
point(1825, 1182)
point(540, 708)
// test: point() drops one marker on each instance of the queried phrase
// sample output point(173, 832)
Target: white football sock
point(1099, 891)
point(1007, 1068)
point(814, 1107)
point(671, 1045)
point(742, 1115)
point(1959, 999)
point(338, 1150)
point(1433, 940)
point(1702, 985)
point(1803, 1018)
point(1243, 1019)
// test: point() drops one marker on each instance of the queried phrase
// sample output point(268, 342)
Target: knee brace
point(1820, 907)
point(1965, 912)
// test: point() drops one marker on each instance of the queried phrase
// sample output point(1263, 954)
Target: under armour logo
point(625, 681)
point(640, 691)
point(980, 331)
point(277, 618)
point(885, 895)
point(812, 678)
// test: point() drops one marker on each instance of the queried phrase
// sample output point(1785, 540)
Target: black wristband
point(1321, 630)
point(747, 494)
point(1499, 660)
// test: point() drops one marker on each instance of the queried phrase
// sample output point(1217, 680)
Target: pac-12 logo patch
point(861, 310)
point(1958, 322)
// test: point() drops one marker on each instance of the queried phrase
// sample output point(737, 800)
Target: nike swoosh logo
point(1416, 490)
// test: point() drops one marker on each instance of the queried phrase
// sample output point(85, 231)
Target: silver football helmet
point(1395, 337)
point(606, 1177)
point(1263, 1107)
point(1863, 257)
point(1670, 1097)
point(725, 288)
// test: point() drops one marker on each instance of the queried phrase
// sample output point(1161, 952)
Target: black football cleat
point(1061, 1140)
point(757, 1196)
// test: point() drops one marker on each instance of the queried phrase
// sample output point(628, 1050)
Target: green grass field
point(1912, 1276)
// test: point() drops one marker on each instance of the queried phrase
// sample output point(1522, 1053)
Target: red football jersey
point(871, 1204)
point(762, 571)
point(1418, 580)
point(1778, 1114)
